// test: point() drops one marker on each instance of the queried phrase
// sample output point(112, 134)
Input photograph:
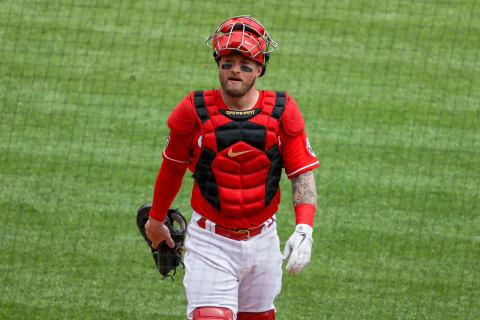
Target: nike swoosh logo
point(232, 154)
point(304, 236)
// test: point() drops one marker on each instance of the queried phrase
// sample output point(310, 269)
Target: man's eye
point(246, 69)
point(226, 66)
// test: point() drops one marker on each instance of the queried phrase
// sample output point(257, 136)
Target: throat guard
point(240, 165)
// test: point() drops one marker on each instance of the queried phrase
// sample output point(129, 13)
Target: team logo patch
point(309, 148)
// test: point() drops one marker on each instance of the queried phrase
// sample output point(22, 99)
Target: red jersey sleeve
point(170, 176)
point(183, 124)
point(176, 157)
point(297, 153)
point(177, 148)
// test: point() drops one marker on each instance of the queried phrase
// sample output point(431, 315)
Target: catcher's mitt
point(166, 258)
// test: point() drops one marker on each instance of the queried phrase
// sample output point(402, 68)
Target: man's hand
point(299, 248)
point(157, 232)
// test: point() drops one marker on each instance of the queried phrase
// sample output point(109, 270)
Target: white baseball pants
point(243, 276)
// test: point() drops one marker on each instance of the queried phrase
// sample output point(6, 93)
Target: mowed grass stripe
point(388, 92)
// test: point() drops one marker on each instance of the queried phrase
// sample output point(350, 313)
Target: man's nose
point(235, 67)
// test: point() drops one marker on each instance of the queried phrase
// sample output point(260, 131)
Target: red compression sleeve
point(167, 185)
point(305, 213)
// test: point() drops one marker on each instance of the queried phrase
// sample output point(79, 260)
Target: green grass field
point(390, 93)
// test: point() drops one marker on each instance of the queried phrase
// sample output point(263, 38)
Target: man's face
point(237, 74)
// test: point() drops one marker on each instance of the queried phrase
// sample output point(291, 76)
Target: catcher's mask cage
point(242, 34)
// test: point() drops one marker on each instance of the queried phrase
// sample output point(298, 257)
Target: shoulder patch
point(183, 119)
point(292, 120)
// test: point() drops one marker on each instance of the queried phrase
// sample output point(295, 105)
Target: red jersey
point(186, 143)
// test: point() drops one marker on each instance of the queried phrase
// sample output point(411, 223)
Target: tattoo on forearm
point(304, 190)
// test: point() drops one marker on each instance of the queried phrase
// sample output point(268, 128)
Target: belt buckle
point(242, 231)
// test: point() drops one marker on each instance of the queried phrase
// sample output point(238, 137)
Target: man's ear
point(259, 70)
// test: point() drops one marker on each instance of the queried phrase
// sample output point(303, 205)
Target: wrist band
point(304, 213)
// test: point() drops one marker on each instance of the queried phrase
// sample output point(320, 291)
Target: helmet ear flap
point(267, 57)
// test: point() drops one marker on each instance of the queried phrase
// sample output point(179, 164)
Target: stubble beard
point(236, 90)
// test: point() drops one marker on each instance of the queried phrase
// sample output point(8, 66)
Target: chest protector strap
point(239, 169)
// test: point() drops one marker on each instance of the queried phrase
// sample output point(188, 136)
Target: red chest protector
point(240, 165)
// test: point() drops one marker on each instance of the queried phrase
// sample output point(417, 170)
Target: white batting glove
point(299, 248)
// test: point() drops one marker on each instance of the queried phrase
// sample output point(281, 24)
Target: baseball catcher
point(166, 258)
point(236, 140)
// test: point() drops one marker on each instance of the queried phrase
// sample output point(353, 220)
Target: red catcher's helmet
point(242, 34)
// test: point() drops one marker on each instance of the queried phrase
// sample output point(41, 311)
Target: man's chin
point(235, 90)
